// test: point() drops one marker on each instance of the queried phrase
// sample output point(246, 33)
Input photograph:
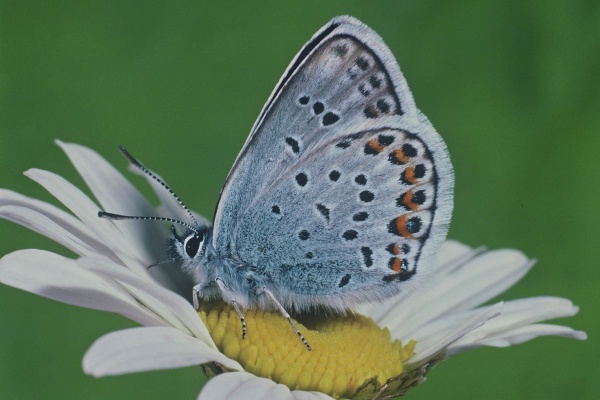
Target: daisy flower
point(377, 351)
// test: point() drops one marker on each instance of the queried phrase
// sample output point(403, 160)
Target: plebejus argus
point(341, 193)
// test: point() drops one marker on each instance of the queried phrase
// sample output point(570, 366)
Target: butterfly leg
point(196, 296)
point(225, 290)
point(286, 316)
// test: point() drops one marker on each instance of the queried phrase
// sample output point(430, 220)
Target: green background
point(512, 86)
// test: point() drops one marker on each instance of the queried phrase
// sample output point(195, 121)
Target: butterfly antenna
point(146, 171)
point(112, 216)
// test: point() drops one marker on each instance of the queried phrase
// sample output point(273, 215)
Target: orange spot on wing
point(375, 145)
point(400, 157)
point(396, 249)
point(397, 265)
point(407, 201)
point(401, 227)
point(409, 175)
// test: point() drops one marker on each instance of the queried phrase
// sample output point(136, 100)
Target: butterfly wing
point(343, 188)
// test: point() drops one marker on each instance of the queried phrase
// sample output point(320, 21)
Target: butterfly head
point(189, 248)
point(185, 250)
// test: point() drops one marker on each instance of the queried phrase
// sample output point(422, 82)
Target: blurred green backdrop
point(512, 86)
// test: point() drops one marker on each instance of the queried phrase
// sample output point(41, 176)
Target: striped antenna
point(112, 216)
point(146, 171)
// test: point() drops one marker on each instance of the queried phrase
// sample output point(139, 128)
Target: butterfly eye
point(192, 244)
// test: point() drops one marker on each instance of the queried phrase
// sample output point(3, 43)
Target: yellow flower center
point(348, 353)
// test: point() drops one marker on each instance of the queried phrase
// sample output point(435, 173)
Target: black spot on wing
point(330, 118)
point(370, 112)
point(385, 140)
point(375, 82)
point(302, 179)
point(383, 106)
point(409, 150)
point(293, 143)
point(360, 216)
point(367, 256)
point(318, 108)
point(304, 235)
point(366, 196)
point(362, 63)
point(360, 179)
point(420, 171)
point(362, 88)
point(350, 234)
point(323, 210)
point(340, 50)
point(344, 281)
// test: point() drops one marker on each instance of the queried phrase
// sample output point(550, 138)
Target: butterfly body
point(341, 193)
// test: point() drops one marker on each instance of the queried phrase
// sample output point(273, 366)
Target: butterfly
point(342, 193)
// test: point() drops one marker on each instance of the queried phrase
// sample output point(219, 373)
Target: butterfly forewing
point(312, 77)
point(337, 189)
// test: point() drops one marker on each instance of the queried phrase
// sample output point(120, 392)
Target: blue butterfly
point(342, 192)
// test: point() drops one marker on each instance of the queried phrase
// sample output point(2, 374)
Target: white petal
point(451, 251)
point(452, 254)
point(12, 204)
point(104, 180)
point(521, 312)
point(84, 208)
point(438, 335)
point(516, 316)
point(470, 284)
point(45, 226)
point(517, 336)
point(87, 211)
point(148, 349)
point(137, 243)
point(168, 305)
point(243, 386)
point(117, 195)
point(487, 276)
point(59, 278)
